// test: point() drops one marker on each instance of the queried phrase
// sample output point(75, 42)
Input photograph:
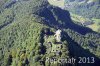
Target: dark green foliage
point(37, 58)
point(19, 31)
point(89, 41)
point(22, 29)
point(87, 10)
point(54, 41)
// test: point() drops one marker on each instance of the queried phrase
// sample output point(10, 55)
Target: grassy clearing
point(57, 3)
point(81, 19)
point(78, 18)
point(96, 25)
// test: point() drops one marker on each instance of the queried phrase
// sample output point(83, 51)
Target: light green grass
point(94, 27)
point(57, 3)
point(78, 18)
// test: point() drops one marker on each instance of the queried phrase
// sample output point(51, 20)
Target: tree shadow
point(59, 18)
point(76, 51)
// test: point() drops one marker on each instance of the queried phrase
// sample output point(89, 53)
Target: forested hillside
point(85, 8)
point(28, 36)
point(86, 12)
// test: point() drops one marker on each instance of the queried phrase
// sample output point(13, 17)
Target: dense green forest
point(27, 35)
point(84, 8)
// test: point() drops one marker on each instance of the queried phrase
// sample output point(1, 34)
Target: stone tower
point(58, 35)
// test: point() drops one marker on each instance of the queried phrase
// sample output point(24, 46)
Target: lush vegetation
point(85, 11)
point(91, 23)
point(23, 26)
point(85, 8)
point(19, 34)
point(86, 41)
